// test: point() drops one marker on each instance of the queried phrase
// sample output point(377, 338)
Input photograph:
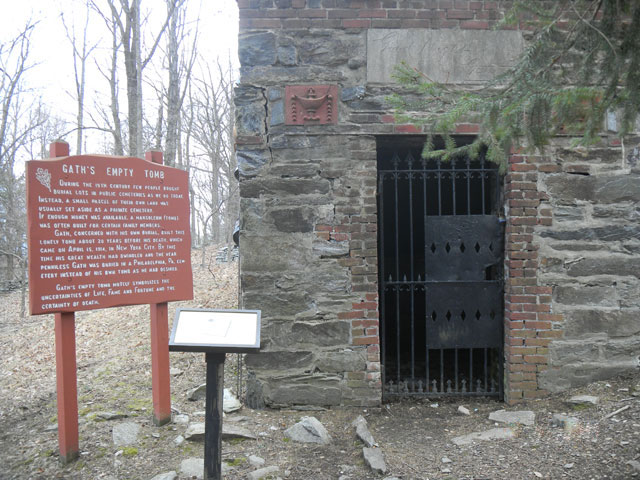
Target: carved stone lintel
point(311, 104)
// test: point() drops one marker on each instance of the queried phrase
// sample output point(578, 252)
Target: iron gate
point(441, 294)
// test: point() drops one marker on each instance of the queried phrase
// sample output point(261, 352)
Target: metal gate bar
point(448, 303)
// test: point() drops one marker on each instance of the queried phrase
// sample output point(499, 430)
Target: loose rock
point(181, 419)
point(374, 458)
point(166, 476)
point(195, 432)
point(234, 431)
point(564, 421)
point(493, 434)
point(522, 417)
point(192, 467)
point(256, 461)
point(362, 431)
point(109, 415)
point(583, 400)
point(263, 472)
point(463, 410)
point(125, 433)
point(230, 402)
point(634, 464)
point(197, 393)
point(308, 430)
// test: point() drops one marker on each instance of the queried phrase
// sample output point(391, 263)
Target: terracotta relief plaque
point(311, 104)
point(106, 231)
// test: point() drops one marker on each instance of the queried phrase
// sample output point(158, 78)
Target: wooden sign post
point(216, 333)
point(104, 232)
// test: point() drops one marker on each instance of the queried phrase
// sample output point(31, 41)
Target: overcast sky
point(52, 77)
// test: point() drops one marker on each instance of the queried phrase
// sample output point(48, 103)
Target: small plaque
point(204, 330)
point(311, 104)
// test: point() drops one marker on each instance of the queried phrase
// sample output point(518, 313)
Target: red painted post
point(66, 386)
point(66, 379)
point(58, 148)
point(160, 378)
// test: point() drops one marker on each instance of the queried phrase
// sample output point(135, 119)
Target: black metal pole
point(213, 417)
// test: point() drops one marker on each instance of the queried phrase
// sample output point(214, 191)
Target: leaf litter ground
point(114, 375)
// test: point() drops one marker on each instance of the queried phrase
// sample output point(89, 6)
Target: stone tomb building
point(379, 274)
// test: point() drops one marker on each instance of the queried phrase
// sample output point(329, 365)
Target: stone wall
point(308, 236)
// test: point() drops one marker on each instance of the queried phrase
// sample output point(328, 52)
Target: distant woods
point(139, 84)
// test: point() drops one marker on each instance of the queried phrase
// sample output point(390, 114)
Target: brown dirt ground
point(113, 356)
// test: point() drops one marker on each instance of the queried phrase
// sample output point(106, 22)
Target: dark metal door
point(441, 294)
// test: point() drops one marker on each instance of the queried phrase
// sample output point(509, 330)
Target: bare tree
point(213, 162)
point(126, 19)
point(108, 119)
point(81, 54)
point(179, 65)
point(21, 115)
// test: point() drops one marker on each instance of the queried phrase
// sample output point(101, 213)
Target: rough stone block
point(622, 212)
point(352, 93)
point(613, 265)
point(288, 168)
point(251, 162)
point(275, 305)
point(626, 350)
point(324, 334)
point(329, 48)
point(568, 214)
point(331, 249)
point(287, 55)
point(280, 360)
point(257, 49)
point(598, 189)
point(586, 295)
point(452, 56)
point(564, 352)
point(294, 219)
point(283, 187)
point(282, 75)
point(610, 233)
point(614, 323)
point(250, 119)
point(302, 390)
point(277, 113)
point(285, 253)
point(247, 95)
point(590, 155)
point(339, 362)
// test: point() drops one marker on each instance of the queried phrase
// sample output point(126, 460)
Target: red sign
point(106, 231)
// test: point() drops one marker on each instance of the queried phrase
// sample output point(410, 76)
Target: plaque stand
point(216, 333)
point(213, 416)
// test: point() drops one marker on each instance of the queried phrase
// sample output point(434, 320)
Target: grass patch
point(236, 441)
point(129, 451)
point(140, 404)
point(236, 461)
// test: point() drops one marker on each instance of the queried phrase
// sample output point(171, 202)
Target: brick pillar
point(530, 324)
